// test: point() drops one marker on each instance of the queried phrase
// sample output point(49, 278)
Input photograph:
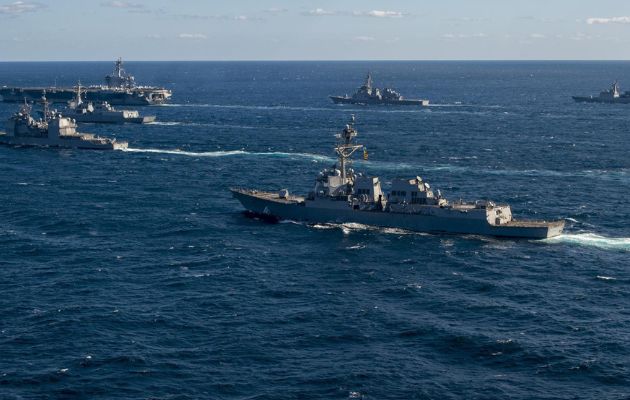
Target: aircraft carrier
point(119, 89)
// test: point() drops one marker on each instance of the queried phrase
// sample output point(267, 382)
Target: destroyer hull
point(134, 96)
point(350, 100)
point(300, 211)
point(68, 143)
point(589, 99)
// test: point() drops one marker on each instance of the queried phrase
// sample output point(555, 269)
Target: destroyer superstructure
point(342, 195)
point(367, 94)
point(612, 95)
point(102, 112)
point(120, 89)
point(52, 130)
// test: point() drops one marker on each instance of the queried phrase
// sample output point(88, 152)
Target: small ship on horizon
point(120, 89)
point(52, 130)
point(342, 195)
point(366, 94)
point(612, 95)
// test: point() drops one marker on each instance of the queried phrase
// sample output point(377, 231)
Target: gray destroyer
point(53, 130)
point(120, 89)
point(612, 95)
point(366, 94)
point(343, 196)
point(102, 112)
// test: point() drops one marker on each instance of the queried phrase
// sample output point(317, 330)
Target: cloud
point(121, 4)
point(275, 10)
point(242, 18)
point(537, 36)
point(363, 39)
point(611, 20)
point(318, 12)
point(464, 36)
point(581, 36)
point(378, 14)
point(192, 36)
point(20, 7)
point(153, 36)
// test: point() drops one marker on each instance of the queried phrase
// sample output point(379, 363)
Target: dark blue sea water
point(135, 275)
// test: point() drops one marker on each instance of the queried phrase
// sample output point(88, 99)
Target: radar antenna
point(47, 115)
point(345, 148)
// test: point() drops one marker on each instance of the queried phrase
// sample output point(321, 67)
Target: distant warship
point(366, 94)
point(120, 89)
point(53, 130)
point(343, 196)
point(612, 95)
point(101, 112)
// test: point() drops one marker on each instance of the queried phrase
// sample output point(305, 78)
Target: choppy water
point(134, 274)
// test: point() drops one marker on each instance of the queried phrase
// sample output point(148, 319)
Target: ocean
point(135, 275)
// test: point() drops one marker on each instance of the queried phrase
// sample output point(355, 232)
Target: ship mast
point(118, 69)
point(77, 99)
point(45, 106)
point(345, 148)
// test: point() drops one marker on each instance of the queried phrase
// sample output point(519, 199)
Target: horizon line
point(329, 60)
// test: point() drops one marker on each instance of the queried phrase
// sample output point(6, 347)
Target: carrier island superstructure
point(119, 89)
point(342, 195)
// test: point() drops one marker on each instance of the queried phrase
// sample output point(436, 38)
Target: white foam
point(593, 240)
point(227, 153)
point(606, 278)
point(188, 153)
point(350, 227)
point(164, 123)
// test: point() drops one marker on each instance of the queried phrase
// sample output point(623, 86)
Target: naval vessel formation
point(120, 89)
point(52, 130)
point(342, 195)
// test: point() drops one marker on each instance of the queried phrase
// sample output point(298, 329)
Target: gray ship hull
point(592, 99)
point(271, 206)
point(69, 143)
point(134, 96)
point(404, 102)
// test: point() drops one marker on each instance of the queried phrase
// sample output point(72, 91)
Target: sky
point(98, 30)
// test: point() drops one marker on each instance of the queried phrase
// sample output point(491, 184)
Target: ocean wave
point(593, 240)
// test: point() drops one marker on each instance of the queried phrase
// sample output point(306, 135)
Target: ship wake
point(593, 240)
point(228, 153)
point(622, 175)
